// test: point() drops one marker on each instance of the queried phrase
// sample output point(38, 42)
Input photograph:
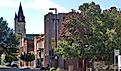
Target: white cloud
point(8, 3)
point(42, 5)
point(45, 5)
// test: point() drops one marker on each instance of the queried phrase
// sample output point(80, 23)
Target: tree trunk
point(30, 64)
point(27, 64)
point(64, 64)
point(85, 66)
point(70, 67)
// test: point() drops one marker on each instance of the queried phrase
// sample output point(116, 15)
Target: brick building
point(29, 43)
point(50, 20)
point(49, 29)
point(39, 50)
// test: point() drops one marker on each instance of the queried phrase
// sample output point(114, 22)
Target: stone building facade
point(49, 29)
point(19, 22)
point(29, 43)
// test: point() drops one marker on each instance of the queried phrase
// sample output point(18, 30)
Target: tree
point(103, 37)
point(27, 57)
point(22, 56)
point(96, 32)
point(32, 57)
point(68, 51)
point(67, 47)
point(9, 58)
point(8, 39)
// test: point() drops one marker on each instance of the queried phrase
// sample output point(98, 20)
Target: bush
point(10, 58)
point(52, 69)
point(27, 57)
point(58, 69)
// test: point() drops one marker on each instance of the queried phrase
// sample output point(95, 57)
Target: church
point(29, 43)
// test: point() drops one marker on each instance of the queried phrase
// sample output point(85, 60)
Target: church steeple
point(15, 16)
point(21, 17)
point(19, 22)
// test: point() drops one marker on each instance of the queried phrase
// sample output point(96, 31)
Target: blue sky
point(34, 10)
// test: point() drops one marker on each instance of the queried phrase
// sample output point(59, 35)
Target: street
point(17, 69)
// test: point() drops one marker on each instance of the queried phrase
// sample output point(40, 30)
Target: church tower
point(19, 22)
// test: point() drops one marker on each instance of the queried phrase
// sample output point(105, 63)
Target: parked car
point(14, 64)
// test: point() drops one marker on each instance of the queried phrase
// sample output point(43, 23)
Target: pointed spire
point(20, 9)
point(21, 14)
point(16, 15)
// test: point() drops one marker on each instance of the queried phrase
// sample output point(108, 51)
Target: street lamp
point(53, 9)
point(56, 28)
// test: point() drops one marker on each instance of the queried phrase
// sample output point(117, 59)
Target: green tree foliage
point(8, 39)
point(68, 51)
point(27, 57)
point(67, 47)
point(22, 57)
point(9, 58)
point(96, 32)
point(32, 56)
